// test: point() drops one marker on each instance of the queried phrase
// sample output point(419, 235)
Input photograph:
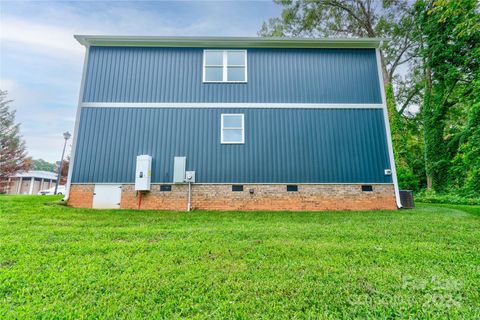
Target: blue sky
point(41, 63)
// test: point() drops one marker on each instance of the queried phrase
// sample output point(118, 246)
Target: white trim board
point(231, 105)
point(387, 131)
point(77, 123)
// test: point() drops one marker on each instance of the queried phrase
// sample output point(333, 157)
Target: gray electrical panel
point(179, 165)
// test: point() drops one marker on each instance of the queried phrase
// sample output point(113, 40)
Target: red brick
point(81, 195)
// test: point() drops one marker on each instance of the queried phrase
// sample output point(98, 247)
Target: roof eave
point(226, 42)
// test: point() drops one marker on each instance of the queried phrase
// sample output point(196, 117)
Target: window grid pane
point(232, 121)
point(214, 58)
point(232, 135)
point(236, 58)
point(213, 73)
point(236, 73)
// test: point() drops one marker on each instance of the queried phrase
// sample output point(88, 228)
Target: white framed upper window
point(225, 66)
point(233, 128)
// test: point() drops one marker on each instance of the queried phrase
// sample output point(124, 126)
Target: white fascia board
point(232, 105)
point(227, 42)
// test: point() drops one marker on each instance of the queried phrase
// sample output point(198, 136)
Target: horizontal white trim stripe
point(231, 105)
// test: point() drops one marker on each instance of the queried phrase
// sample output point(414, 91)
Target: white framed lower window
point(232, 128)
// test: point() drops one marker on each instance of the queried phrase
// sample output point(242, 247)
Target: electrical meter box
point(190, 176)
point(143, 174)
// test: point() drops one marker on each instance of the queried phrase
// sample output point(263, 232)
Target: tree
point(13, 157)
point(40, 164)
point(65, 166)
point(449, 33)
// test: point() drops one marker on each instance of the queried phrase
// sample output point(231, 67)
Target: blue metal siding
point(126, 74)
point(281, 145)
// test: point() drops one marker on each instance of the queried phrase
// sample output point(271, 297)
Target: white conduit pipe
point(189, 196)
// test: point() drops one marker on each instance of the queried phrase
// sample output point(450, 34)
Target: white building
point(30, 182)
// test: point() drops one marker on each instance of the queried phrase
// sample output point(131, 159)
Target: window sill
point(224, 81)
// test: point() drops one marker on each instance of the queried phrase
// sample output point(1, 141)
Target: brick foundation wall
point(265, 197)
point(81, 195)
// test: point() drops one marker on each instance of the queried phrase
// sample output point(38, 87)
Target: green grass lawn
point(58, 262)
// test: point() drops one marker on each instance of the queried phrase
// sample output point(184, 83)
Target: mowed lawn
point(58, 262)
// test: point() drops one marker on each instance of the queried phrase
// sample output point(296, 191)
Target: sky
point(41, 63)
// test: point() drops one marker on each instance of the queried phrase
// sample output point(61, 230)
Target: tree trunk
point(426, 111)
point(429, 182)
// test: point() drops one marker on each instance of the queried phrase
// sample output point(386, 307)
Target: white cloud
point(46, 38)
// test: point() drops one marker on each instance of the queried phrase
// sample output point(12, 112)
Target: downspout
point(387, 128)
point(77, 124)
point(189, 207)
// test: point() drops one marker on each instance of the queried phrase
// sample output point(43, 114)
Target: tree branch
point(412, 94)
point(395, 64)
point(344, 7)
point(406, 60)
point(367, 21)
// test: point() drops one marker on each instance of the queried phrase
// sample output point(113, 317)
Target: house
point(30, 182)
point(217, 123)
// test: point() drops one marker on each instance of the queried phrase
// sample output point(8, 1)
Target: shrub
point(430, 196)
point(407, 180)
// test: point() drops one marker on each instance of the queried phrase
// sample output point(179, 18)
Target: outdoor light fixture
point(66, 136)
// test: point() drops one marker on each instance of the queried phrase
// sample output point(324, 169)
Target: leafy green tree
point(465, 171)
point(40, 164)
point(449, 34)
point(13, 156)
point(465, 166)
